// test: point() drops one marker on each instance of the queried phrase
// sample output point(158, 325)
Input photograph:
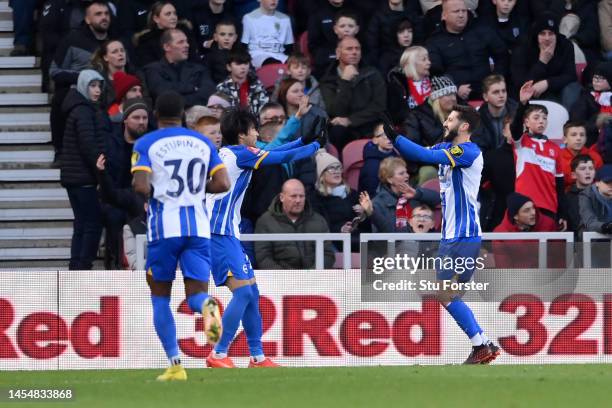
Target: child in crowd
point(268, 34)
point(583, 175)
point(374, 152)
point(575, 137)
point(298, 68)
point(224, 41)
point(242, 87)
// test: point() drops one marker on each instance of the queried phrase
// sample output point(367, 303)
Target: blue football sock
point(251, 321)
point(232, 316)
point(165, 326)
point(464, 317)
point(195, 301)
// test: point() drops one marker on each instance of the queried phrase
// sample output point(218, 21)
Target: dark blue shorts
point(191, 253)
point(229, 259)
point(458, 257)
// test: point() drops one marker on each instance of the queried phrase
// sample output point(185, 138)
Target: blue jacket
point(368, 176)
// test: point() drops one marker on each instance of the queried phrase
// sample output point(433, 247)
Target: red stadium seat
point(331, 149)
point(352, 159)
point(303, 44)
point(433, 184)
point(437, 217)
point(269, 74)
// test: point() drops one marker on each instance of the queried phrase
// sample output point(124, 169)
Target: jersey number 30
point(193, 189)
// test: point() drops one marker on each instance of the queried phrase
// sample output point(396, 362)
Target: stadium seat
point(579, 70)
point(433, 184)
point(557, 116)
point(269, 74)
point(352, 159)
point(303, 44)
point(331, 149)
point(475, 103)
point(437, 218)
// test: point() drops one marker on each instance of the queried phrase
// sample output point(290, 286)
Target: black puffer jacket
point(85, 131)
point(399, 101)
point(423, 127)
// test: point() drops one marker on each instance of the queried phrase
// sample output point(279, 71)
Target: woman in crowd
point(147, 42)
point(109, 59)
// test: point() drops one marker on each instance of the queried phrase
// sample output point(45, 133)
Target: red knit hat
point(122, 83)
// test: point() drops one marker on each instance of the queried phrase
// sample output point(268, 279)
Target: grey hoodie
point(85, 78)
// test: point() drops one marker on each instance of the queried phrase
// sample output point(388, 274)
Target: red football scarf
point(419, 97)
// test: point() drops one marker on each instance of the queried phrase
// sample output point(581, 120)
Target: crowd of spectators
point(349, 64)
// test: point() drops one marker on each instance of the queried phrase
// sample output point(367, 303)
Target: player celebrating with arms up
point(460, 167)
point(231, 266)
point(181, 165)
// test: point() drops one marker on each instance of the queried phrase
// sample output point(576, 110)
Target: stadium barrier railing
point(587, 241)
point(391, 238)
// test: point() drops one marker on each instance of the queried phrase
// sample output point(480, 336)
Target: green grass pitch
point(409, 386)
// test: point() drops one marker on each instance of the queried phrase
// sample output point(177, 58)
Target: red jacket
point(566, 161)
point(522, 254)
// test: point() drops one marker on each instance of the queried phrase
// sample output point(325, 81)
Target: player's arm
point(141, 170)
point(219, 182)
point(142, 183)
point(218, 177)
point(415, 152)
point(286, 146)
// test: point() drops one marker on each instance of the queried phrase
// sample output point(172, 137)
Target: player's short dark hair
point(571, 124)
point(234, 122)
point(535, 108)
point(170, 105)
point(581, 158)
point(239, 56)
point(468, 115)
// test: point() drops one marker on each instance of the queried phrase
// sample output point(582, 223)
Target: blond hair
point(408, 61)
point(387, 168)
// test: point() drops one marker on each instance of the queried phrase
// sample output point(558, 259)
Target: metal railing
point(541, 237)
point(391, 238)
point(587, 239)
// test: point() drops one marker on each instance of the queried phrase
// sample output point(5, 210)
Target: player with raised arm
point(460, 167)
point(176, 167)
point(231, 266)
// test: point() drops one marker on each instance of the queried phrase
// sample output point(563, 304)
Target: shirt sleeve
point(215, 162)
point(250, 157)
point(140, 159)
point(462, 155)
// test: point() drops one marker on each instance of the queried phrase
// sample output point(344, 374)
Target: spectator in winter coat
point(290, 213)
point(547, 59)
point(173, 72)
point(496, 106)
point(457, 38)
point(354, 95)
point(579, 23)
point(408, 85)
point(148, 43)
point(298, 67)
point(596, 203)
point(321, 37)
point(392, 207)
point(205, 16)
point(522, 216)
point(508, 21)
point(218, 52)
point(374, 152)
point(594, 101)
point(83, 142)
point(73, 55)
point(583, 175)
point(574, 138)
point(381, 35)
point(242, 87)
point(604, 11)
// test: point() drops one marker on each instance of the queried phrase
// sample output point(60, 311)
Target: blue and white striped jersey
point(459, 185)
point(460, 170)
point(180, 162)
point(224, 208)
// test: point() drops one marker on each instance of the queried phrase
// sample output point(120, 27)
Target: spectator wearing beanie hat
point(521, 216)
point(595, 101)
point(126, 86)
point(547, 59)
point(424, 125)
point(333, 198)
